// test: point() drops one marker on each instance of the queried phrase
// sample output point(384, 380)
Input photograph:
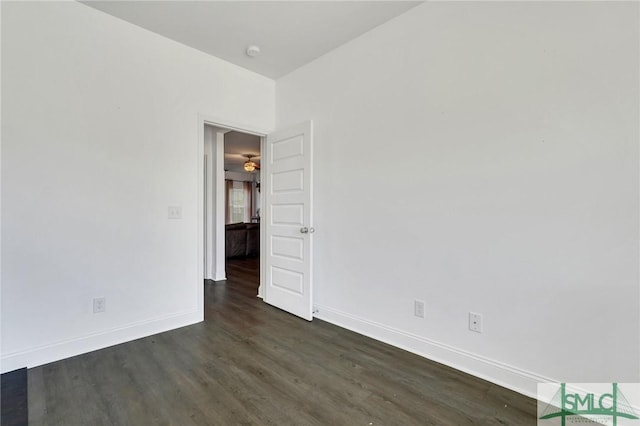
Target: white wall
point(100, 135)
point(482, 157)
point(240, 176)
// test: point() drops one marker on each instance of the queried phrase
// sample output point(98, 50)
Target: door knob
point(304, 230)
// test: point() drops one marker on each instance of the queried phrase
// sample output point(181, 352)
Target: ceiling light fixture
point(253, 51)
point(249, 165)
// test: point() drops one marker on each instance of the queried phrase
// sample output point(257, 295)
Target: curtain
point(248, 200)
point(227, 201)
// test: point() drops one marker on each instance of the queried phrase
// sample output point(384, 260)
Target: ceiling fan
point(250, 165)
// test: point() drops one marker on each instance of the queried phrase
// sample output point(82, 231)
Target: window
point(239, 202)
point(237, 205)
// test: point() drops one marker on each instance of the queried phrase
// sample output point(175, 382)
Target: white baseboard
point(219, 277)
point(36, 356)
point(513, 378)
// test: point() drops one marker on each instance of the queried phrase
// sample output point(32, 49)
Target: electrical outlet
point(175, 212)
point(99, 305)
point(475, 322)
point(418, 308)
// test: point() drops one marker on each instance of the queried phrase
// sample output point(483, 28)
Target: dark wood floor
point(14, 409)
point(251, 364)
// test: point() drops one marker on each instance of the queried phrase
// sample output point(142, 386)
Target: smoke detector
point(253, 51)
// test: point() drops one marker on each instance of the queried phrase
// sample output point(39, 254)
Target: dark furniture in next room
point(242, 239)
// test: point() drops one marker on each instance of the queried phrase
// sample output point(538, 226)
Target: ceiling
point(289, 33)
point(236, 146)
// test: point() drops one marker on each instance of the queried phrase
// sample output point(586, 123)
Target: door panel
point(288, 220)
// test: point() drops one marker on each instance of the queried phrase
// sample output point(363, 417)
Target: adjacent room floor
point(250, 363)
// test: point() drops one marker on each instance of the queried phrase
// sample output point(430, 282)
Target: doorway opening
point(232, 202)
point(286, 212)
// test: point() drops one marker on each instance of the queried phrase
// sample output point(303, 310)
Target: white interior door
point(288, 219)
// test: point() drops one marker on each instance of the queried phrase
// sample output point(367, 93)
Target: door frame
point(203, 120)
